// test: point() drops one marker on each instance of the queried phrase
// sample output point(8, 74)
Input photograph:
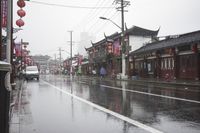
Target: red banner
point(18, 49)
point(116, 47)
point(4, 7)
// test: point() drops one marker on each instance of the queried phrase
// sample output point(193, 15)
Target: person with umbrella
point(102, 72)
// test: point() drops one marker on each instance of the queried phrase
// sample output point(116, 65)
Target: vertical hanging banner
point(116, 47)
point(18, 48)
point(4, 7)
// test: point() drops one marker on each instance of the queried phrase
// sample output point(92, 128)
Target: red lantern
point(21, 13)
point(109, 48)
point(194, 48)
point(20, 22)
point(21, 3)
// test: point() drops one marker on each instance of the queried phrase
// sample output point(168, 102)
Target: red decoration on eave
point(21, 3)
point(194, 48)
point(21, 13)
point(172, 51)
point(110, 48)
point(20, 22)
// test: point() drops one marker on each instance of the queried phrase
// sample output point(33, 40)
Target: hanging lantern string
point(20, 12)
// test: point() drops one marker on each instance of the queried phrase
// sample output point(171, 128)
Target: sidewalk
point(191, 83)
point(18, 110)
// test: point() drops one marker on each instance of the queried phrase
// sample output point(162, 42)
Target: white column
point(123, 65)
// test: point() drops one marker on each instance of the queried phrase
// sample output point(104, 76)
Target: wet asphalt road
point(165, 109)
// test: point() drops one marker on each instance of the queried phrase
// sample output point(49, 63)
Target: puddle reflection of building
point(126, 110)
point(119, 101)
point(72, 101)
point(135, 106)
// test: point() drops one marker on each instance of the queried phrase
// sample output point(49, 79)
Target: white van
point(32, 72)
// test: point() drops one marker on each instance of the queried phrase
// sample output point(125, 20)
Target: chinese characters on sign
point(4, 7)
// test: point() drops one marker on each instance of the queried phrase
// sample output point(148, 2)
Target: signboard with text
point(4, 7)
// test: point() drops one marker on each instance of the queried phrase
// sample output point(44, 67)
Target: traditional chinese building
point(107, 52)
point(176, 57)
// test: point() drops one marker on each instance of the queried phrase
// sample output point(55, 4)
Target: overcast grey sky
point(46, 26)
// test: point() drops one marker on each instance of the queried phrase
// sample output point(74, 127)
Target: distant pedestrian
point(79, 72)
point(102, 72)
point(113, 74)
point(94, 72)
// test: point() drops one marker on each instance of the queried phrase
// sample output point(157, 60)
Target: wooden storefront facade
point(107, 52)
point(101, 54)
point(177, 57)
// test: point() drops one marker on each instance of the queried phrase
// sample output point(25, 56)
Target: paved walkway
point(16, 114)
point(192, 83)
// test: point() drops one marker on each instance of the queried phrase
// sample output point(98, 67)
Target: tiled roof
point(171, 42)
point(135, 30)
point(138, 31)
point(113, 36)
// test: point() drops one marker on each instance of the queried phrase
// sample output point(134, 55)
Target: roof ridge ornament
point(105, 35)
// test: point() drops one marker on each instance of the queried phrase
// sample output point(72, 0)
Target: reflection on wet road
point(53, 111)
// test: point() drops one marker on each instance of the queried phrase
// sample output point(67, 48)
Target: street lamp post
point(110, 21)
point(123, 75)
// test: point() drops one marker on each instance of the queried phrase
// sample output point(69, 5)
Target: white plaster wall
point(138, 41)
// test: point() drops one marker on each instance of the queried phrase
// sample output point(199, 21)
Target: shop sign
point(4, 7)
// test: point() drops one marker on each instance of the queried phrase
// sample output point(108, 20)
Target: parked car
point(32, 72)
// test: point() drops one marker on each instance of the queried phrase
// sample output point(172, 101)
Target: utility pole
point(122, 39)
point(60, 56)
point(55, 61)
point(71, 54)
point(123, 3)
point(21, 54)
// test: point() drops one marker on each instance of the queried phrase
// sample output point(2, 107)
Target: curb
point(168, 83)
point(155, 82)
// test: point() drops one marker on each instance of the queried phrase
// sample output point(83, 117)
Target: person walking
point(102, 72)
point(79, 72)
